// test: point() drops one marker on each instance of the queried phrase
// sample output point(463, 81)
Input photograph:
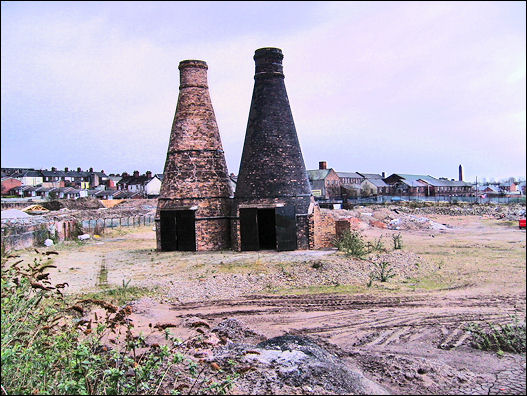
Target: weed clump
point(376, 246)
point(352, 243)
point(499, 337)
point(397, 241)
point(383, 271)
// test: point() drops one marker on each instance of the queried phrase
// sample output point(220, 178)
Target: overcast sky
point(396, 87)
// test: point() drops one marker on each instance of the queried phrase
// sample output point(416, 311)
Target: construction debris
point(35, 209)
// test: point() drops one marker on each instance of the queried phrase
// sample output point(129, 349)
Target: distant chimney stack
point(53, 169)
point(383, 175)
point(66, 169)
point(148, 174)
point(460, 172)
point(136, 173)
point(322, 165)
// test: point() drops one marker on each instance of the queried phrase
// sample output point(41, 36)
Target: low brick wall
point(18, 236)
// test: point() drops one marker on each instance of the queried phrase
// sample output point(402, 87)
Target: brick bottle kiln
point(273, 195)
point(194, 202)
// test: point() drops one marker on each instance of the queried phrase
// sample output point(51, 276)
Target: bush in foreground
point(49, 348)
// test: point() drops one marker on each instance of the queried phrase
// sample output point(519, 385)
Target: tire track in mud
point(365, 320)
point(395, 335)
point(329, 302)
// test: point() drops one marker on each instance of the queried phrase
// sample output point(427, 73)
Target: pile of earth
point(393, 218)
point(229, 277)
point(291, 364)
point(14, 214)
point(140, 204)
point(73, 204)
point(497, 211)
point(287, 364)
point(91, 208)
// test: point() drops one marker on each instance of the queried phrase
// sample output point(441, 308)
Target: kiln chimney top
point(193, 73)
point(268, 62)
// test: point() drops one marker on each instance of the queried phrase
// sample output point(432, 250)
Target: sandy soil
point(408, 335)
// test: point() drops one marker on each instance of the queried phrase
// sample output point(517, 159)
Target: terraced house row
point(68, 184)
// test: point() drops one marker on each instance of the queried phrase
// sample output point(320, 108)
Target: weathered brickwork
point(324, 225)
point(195, 173)
point(341, 227)
point(302, 232)
point(272, 169)
point(311, 230)
point(211, 235)
point(272, 164)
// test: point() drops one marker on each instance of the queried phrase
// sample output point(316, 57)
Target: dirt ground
point(407, 335)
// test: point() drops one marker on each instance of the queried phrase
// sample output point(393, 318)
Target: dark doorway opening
point(266, 229)
point(263, 229)
point(178, 230)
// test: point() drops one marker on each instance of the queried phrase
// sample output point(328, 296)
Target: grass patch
point(431, 282)
point(120, 295)
point(120, 231)
point(237, 267)
point(319, 289)
point(508, 223)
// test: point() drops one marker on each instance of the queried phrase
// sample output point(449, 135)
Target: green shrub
point(352, 244)
point(499, 337)
point(48, 348)
point(77, 230)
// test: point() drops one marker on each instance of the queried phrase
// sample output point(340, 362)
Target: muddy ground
point(404, 336)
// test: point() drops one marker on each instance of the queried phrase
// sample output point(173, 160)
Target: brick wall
point(341, 227)
point(8, 184)
point(18, 236)
point(324, 227)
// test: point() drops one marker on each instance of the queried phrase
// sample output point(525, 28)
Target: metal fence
point(99, 225)
point(446, 198)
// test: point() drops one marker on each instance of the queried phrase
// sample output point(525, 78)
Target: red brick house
point(8, 183)
point(325, 183)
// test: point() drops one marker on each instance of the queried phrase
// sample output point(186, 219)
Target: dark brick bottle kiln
point(194, 202)
point(273, 195)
